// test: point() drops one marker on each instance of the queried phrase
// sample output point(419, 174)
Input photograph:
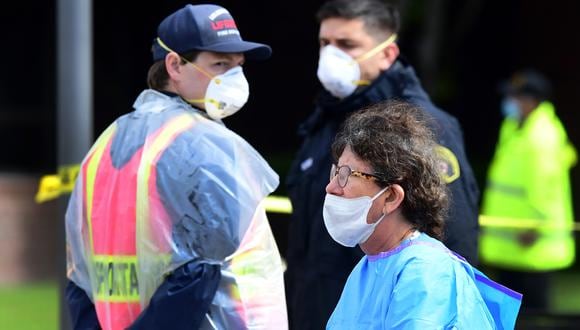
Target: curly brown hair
point(395, 139)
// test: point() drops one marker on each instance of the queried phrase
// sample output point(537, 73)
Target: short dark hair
point(157, 75)
point(379, 17)
point(528, 82)
point(394, 138)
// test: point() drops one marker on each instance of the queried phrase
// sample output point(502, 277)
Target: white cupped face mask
point(339, 73)
point(346, 218)
point(225, 94)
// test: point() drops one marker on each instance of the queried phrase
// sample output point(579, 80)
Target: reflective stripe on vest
point(117, 215)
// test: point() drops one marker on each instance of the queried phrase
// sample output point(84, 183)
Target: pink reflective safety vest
point(122, 208)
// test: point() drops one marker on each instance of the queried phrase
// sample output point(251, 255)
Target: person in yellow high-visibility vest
point(528, 178)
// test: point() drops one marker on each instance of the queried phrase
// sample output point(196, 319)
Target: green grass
point(565, 297)
point(29, 307)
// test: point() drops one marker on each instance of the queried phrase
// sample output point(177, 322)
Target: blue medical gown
point(422, 285)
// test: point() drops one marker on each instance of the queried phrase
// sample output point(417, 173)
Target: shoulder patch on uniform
point(447, 163)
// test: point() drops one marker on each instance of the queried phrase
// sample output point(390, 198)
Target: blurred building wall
point(28, 246)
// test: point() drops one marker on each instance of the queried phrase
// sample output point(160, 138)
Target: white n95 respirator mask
point(339, 73)
point(226, 93)
point(346, 218)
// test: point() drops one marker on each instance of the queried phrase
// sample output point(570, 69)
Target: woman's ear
point(395, 197)
point(173, 65)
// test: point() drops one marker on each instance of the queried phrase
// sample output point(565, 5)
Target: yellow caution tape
point(281, 204)
point(278, 204)
point(68, 175)
point(48, 189)
point(53, 185)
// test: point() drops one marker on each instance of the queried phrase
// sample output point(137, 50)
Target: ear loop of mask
point(205, 73)
point(372, 53)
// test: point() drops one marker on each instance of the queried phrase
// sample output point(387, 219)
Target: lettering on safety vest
point(116, 278)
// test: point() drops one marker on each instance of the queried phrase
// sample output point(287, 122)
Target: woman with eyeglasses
point(386, 195)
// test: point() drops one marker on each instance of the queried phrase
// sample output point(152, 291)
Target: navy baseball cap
point(204, 28)
point(527, 82)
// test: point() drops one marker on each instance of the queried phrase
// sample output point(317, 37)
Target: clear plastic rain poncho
point(198, 188)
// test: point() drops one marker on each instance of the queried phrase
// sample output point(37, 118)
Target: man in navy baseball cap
point(204, 28)
point(179, 197)
point(197, 37)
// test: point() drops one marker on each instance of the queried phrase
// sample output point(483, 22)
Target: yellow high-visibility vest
point(529, 179)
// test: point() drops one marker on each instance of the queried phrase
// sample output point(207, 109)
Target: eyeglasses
point(344, 172)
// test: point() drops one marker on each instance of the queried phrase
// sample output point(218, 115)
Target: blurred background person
point(529, 179)
point(359, 64)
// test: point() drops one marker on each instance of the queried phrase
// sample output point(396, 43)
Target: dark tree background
point(461, 50)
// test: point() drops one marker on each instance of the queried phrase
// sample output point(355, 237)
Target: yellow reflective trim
point(517, 223)
point(507, 189)
point(449, 160)
point(278, 204)
point(281, 204)
point(150, 151)
point(92, 167)
point(116, 278)
point(174, 127)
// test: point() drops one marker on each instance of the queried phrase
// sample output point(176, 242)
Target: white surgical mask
point(346, 218)
point(510, 109)
point(339, 73)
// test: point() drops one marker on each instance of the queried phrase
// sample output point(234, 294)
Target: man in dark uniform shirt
point(360, 65)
